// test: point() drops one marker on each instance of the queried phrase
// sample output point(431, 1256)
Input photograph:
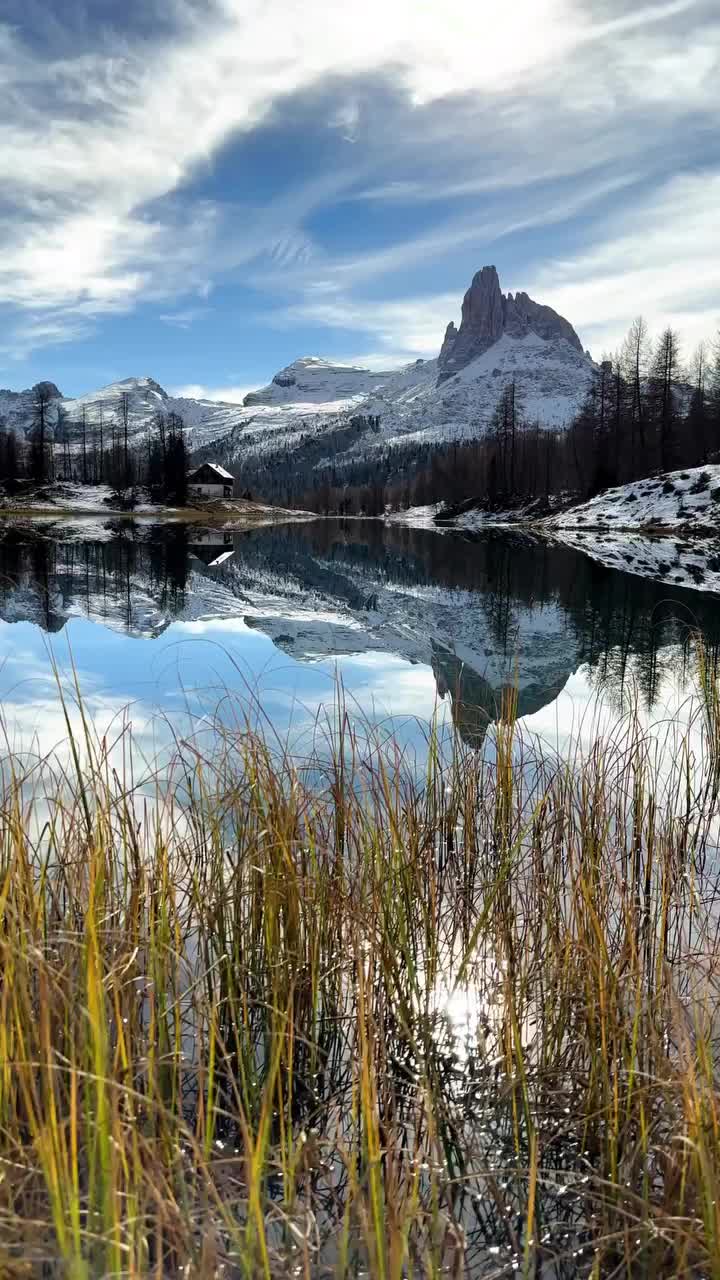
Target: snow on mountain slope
point(205, 420)
point(409, 407)
point(673, 499)
point(315, 412)
point(313, 381)
point(500, 340)
point(551, 377)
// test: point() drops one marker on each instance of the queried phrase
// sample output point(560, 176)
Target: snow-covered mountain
point(319, 413)
point(204, 420)
point(313, 381)
point(315, 413)
point(550, 375)
point(488, 314)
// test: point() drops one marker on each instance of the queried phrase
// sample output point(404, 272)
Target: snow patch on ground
point(674, 499)
point(416, 517)
point(475, 517)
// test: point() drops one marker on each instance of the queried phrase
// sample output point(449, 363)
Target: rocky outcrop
point(18, 408)
point(487, 314)
point(449, 340)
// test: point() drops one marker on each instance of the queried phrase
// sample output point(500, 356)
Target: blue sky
point(204, 190)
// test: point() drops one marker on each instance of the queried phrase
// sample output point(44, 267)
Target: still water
point(161, 624)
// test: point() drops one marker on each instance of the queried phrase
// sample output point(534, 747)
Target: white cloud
point(405, 328)
point(659, 258)
point(225, 395)
point(184, 319)
point(95, 148)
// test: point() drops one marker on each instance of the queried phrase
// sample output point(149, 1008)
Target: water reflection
point(477, 615)
point(166, 617)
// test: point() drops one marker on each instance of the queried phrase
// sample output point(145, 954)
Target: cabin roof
point(213, 466)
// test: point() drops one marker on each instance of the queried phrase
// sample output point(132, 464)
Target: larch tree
point(663, 380)
point(635, 356)
point(43, 395)
point(698, 423)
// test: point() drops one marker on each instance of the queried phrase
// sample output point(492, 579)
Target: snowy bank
point(688, 500)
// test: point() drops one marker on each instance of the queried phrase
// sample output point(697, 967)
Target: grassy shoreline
point(333, 1019)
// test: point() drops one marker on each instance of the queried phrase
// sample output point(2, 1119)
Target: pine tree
point(663, 380)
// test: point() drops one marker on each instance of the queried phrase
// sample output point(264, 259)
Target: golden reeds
point(226, 1012)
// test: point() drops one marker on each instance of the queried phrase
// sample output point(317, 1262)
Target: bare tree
point(663, 380)
point(635, 356)
point(698, 425)
point(125, 418)
point(84, 445)
point(43, 395)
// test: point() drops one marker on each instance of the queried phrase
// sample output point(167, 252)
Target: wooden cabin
point(210, 481)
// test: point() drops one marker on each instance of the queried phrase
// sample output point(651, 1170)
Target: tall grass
point(342, 1020)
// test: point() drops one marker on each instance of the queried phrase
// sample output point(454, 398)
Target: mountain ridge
point(317, 413)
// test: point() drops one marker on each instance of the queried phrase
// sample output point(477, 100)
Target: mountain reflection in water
point(484, 613)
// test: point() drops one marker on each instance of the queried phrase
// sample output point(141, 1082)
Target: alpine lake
point(471, 1087)
point(152, 623)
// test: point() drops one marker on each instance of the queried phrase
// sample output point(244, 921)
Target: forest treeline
point(97, 452)
point(646, 411)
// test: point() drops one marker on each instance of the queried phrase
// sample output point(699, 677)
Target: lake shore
point(75, 501)
point(683, 504)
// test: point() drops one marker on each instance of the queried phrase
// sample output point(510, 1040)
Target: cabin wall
point(209, 490)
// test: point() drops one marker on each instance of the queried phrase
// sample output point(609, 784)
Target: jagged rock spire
point(487, 313)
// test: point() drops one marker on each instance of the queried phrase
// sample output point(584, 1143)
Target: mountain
point(312, 381)
point(16, 407)
point(316, 415)
point(487, 314)
point(204, 419)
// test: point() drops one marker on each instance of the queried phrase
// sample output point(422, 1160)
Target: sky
point(204, 190)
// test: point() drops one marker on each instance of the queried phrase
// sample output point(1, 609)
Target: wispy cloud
point(660, 257)
point(540, 115)
point(184, 319)
point(225, 395)
point(405, 328)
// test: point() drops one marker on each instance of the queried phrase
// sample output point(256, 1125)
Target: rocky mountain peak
point(488, 313)
point(47, 389)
